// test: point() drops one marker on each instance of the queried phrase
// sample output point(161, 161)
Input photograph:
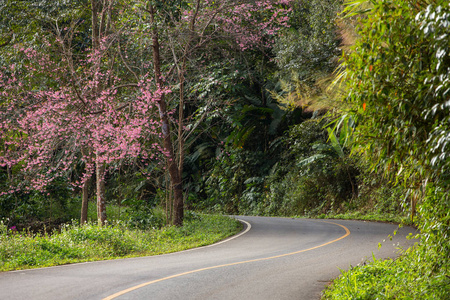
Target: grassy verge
point(369, 216)
point(404, 278)
point(90, 242)
point(416, 274)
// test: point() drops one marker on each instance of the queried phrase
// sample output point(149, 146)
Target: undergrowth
point(403, 278)
point(421, 272)
point(74, 243)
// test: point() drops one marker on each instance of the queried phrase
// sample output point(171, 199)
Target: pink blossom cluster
point(251, 22)
point(49, 127)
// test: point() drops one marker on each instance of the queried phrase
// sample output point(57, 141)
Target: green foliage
point(404, 278)
point(312, 176)
point(309, 48)
point(143, 217)
point(377, 197)
point(434, 223)
point(235, 183)
point(390, 74)
point(301, 173)
point(434, 24)
point(34, 210)
point(136, 214)
point(74, 243)
point(400, 103)
point(399, 85)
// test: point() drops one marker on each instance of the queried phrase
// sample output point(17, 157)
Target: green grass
point(404, 278)
point(91, 242)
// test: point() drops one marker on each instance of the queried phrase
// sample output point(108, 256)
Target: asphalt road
point(275, 258)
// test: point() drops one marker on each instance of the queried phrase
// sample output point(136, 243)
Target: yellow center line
point(347, 233)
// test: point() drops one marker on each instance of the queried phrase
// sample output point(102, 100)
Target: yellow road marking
point(347, 233)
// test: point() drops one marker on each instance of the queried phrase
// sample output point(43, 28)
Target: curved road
point(274, 258)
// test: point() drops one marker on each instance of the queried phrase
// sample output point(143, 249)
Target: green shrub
point(145, 218)
point(404, 278)
point(399, 84)
point(313, 177)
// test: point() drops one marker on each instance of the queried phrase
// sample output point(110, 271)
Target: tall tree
point(189, 29)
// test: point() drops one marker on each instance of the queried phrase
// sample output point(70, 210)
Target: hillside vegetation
point(398, 80)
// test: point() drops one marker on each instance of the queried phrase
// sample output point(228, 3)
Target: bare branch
point(126, 64)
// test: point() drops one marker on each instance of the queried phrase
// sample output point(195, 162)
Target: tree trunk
point(85, 191)
point(84, 203)
point(97, 27)
point(101, 201)
point(175, 177)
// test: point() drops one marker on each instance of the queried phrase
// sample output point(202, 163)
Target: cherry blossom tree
point(80, 110)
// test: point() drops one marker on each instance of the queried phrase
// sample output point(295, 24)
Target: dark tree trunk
point(84, 203)
point(101, 201)
point(98, 26)
point(174, 173)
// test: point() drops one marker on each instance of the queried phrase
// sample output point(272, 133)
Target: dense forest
point(172, 104)
point(150, 112)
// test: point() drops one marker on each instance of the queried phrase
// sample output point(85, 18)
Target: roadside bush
point(235, 184)
point(35, 210)
point(143, 217)
point(398, 75)
point(404, 278)
point(313, 176)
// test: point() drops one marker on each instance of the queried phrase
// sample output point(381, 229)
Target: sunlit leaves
point(310, 44)
point(399, 72)
point(387, 72)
